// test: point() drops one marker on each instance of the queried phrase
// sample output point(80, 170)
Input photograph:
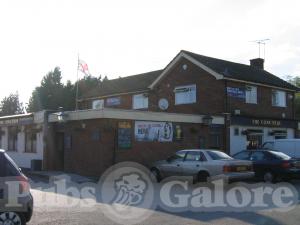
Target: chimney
point(257, 63)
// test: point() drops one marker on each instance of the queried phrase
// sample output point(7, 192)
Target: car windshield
point(280, 155)
point(217, 155)
point(11, 161)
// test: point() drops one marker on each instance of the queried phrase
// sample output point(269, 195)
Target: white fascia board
point(134, 115)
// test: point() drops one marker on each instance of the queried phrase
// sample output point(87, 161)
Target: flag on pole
point(83, 67)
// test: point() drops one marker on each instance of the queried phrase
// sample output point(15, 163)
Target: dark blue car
point(271, 166)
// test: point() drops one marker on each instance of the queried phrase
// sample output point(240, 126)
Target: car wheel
point(12, 218)
point(269, 177)
point(156, 174)
point(201, 177)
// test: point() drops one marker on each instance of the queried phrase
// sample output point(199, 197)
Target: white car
point(203, 165)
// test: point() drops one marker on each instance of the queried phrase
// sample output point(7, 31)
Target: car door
point(173, 165)
point(193, 162)
point(260, 162)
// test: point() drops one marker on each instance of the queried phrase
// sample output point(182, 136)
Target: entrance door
point(60, 150)
point(254, 141)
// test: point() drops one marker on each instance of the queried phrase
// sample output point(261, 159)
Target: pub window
point(12, 139)
point(140, 101)
point(30, 142)
point(214, 141)
point(185, 94)
point(95, 135)
point(251, 94)
point(68, 141)
point(236, 131)
point(202, 142)
point(278, 98)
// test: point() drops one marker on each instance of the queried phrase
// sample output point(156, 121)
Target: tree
point(296, 81)
point(11, 105)
point(52, 93)
point(49, 94)
point(88, 83)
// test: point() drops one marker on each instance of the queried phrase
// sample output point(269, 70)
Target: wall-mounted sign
point(248, 121)
point(17, 121)
point(124, 135)
point(153, 131)
point(263, 122)
point(236, 92)
point(113, 101)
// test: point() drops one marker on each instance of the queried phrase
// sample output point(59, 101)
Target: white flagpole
point(76, 103)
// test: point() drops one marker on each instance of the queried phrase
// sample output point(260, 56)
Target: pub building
point(194, 102)
point(251, 133)
point(22, 136)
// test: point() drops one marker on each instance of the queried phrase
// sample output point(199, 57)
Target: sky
point(121, 38)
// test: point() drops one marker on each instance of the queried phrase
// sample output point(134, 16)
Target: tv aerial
point(263, 43)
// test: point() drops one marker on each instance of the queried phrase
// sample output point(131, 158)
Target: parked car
point(290, 147)
point(202, 165)
point(271, 165)
point(10, 172)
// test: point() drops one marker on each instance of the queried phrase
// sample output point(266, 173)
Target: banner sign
point(113, 101)
point(153, 131)
point(236, 92)
point(17, 121)
point(248, 121)
point(124, 135)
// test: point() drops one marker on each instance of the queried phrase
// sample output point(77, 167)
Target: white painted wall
point(239, 142)
point(22, 158)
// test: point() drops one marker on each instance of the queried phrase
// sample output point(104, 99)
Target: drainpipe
point(114, 158)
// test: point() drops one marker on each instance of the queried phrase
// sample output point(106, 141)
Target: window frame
point(249, 94)
point(140, 97)
point(202, 157)
point(176, 91)
point(12, 133)
point(33, 142)
point(258, 152)
point(277, 101)
point(242, 152)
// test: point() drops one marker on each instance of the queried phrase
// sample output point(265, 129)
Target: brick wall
point(92, 157)
point(211, 95)
point(210, 92)
point(264, 107)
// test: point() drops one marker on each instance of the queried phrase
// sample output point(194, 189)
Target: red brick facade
point(211, 95)
point(264, 107)
point(91, 157)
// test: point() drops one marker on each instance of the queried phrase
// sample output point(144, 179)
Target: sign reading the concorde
point(236, 92)
point(153, 131)
point(247, 121)
point(124, 135)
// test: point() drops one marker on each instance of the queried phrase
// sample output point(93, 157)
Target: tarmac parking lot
point(55, 215)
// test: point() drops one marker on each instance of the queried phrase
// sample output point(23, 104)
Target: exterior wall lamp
point(207, 120)
point(61, 115)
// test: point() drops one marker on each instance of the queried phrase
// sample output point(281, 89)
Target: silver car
point(203, 165)
point(22, 212)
